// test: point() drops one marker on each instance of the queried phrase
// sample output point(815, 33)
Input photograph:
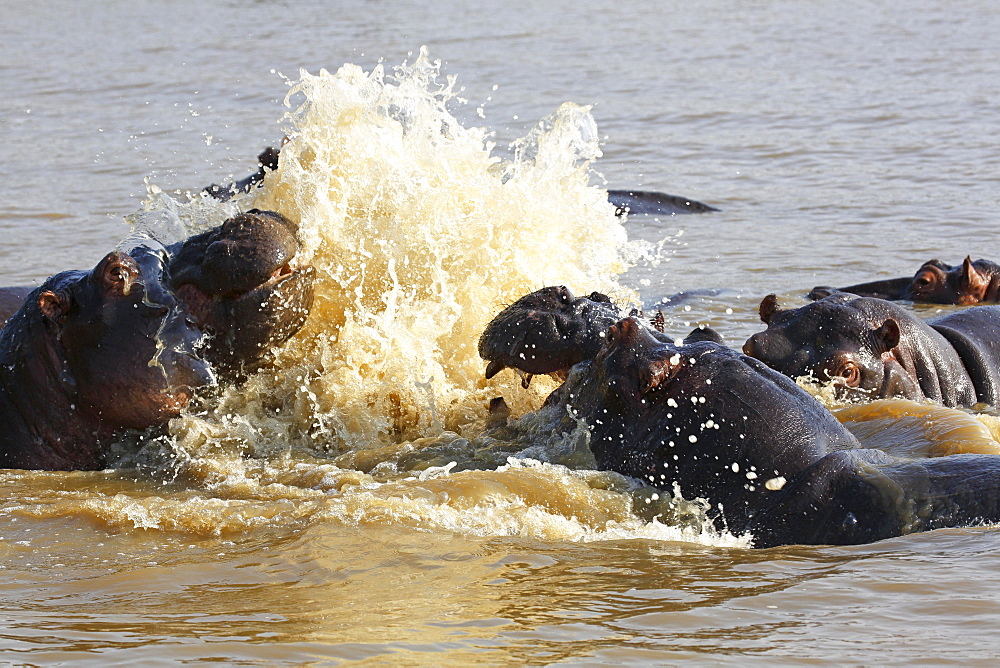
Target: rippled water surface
point(315, 514)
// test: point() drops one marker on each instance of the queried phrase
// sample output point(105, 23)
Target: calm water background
point(842, 141)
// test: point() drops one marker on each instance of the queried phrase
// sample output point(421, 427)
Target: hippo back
point(723, 426)
point(975, 335)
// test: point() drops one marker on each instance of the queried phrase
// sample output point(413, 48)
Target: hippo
point(267, 161)
point(626, 202)
point(972, 282)
point(550, 330)
point(90, 355)
point(547, 332)
point(239, 282)
point(871, 348)
point(652, 203)
point(770, 459)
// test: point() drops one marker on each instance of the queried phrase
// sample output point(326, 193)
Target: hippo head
point(939, 283)
point(113, 342)
point(849, 340)
point(241, 285)
point(721, 425)
point(547, 331)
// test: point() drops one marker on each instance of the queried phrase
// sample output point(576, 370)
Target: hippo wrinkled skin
point(871, 348)
point(972, 282)
point(90, 355)
point(550, 330)
point(547, 332)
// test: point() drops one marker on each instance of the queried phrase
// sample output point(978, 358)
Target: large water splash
point(419, 234)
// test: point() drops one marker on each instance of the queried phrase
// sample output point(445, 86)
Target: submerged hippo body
point(626, 202)
point(652, 203)
point(768, 457)
point(972, 282)
point(90, 355)
point(872, 348)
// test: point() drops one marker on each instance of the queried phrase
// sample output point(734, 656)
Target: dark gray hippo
point(547, 332)
point(652, 203)
point(90, 355)
point(972, 282)
point(766, 455)
point(550, 330)
point(239, 282)
point(872, 348)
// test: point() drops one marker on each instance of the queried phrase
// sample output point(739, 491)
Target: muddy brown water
point(315, 514)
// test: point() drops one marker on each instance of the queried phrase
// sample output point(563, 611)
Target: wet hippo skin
point(90, 355)
point(872, 348)
point(972, 282)
point(241, 284)
point(767, 456)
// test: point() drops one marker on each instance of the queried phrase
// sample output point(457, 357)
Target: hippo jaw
point(242, 285)
point(244, 329)
point(546, 332)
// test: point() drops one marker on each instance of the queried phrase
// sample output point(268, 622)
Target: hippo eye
point(848, 373)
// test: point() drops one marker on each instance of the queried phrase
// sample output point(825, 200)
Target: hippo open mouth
point(243, 286)
point(546, 332)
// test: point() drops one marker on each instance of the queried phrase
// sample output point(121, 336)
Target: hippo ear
point(768, 307)
point(886, 336)
point(54, 305)
point(973, 284)
point(658, 372)
point(599, 297)
point(118, 272)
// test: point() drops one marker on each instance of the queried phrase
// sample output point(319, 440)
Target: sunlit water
point(344, 504)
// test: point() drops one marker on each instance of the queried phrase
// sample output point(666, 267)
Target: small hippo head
point(547, 331)
point(116, 341)
point(939, 283)
point(241, 284)
point(849, 340)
